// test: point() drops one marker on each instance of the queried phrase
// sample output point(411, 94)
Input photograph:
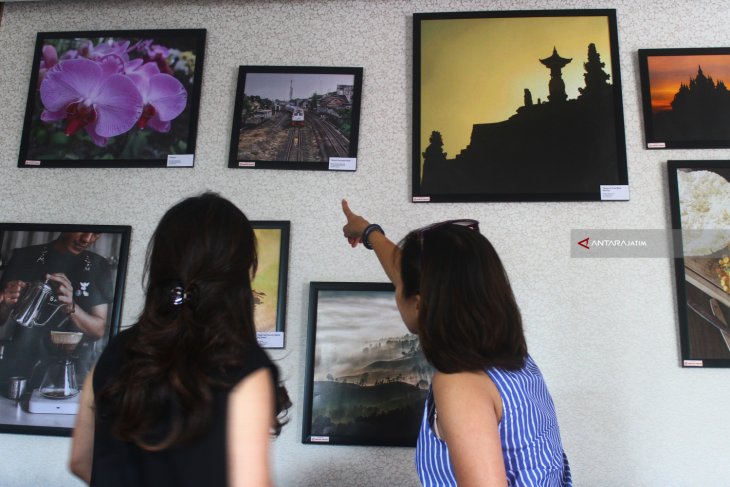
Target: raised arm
point(388, 253)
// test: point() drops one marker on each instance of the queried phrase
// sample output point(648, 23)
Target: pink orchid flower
point(158, 54)
point(49, 58)
point(103, 49)
point(164, 97)
point(91, 95)
point(70, 54)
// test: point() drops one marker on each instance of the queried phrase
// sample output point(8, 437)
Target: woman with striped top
point(489, 419)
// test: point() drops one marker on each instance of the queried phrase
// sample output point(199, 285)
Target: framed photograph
point(366, 379)
point(123, 98)
point(269, 284)
point(61, 292)
point(686, 103)
point(289, 117)
point(700, 203)
point(517, 106)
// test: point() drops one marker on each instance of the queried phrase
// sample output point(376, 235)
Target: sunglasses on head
point(470, 224)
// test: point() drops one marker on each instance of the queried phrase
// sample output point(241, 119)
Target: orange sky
point(476, 70)
point(666, 73)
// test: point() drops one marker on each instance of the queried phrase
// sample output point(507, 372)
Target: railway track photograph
point(293, 118)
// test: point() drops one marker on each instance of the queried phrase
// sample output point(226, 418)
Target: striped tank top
point(531, 447)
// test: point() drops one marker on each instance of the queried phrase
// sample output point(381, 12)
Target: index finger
point(346, 209)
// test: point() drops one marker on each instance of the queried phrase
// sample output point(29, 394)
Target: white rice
point(704, 202)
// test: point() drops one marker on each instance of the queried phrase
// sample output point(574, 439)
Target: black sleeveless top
point(200, 463)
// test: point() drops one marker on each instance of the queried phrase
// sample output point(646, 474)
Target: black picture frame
point(142, 99)
point(682, 111)
point(272, 239)
point(702, 303)
point(97, 273)
point(372, 373)
point(473, 87)
point(266, 131)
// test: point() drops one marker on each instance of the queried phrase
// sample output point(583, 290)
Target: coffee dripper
point(59, 381)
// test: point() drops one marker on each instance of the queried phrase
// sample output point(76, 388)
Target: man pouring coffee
point(82, 291)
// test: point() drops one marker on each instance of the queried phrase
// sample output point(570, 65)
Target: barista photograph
point(57, 293)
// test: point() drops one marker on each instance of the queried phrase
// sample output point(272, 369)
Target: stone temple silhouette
point(700, 112)
point(557, 86)
point(559, 149)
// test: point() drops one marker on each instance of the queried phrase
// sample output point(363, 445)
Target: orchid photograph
point(113, 99)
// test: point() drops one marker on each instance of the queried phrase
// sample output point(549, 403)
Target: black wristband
point(366, 234)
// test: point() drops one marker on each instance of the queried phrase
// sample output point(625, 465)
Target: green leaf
point(59, 139)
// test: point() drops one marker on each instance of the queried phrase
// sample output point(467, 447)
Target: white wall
point(603, 331)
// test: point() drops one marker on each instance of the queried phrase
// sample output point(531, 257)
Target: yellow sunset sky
point(476, 70)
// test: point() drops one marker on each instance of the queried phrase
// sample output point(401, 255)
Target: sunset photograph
point(483, 65)
point(513, 106)
point(668, 73)
point(685, 97)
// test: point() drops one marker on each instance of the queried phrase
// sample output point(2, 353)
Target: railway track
point(283, 120)
point(294, 145)
point(335, 143)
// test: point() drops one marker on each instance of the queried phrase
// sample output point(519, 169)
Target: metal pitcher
point(33, 301)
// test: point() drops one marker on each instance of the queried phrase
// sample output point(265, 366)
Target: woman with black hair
point(185, 397)
point(489, 419)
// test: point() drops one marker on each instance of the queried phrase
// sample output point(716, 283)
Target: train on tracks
point(297, 117)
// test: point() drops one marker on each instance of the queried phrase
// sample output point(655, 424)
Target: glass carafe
point(59, 381)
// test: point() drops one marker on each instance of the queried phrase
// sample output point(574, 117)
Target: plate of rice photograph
point(700, 205)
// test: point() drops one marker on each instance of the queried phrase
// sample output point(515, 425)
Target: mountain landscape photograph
point(370, 378)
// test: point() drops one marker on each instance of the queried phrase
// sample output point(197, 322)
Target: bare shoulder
point(254, 383)
point(252, 399)
point(469, 387)
point(462, 382)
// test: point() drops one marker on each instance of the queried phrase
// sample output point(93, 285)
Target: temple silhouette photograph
point(517, 106)
point(685, 98)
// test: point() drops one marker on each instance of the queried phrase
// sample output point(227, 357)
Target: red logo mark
point(584, 243)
